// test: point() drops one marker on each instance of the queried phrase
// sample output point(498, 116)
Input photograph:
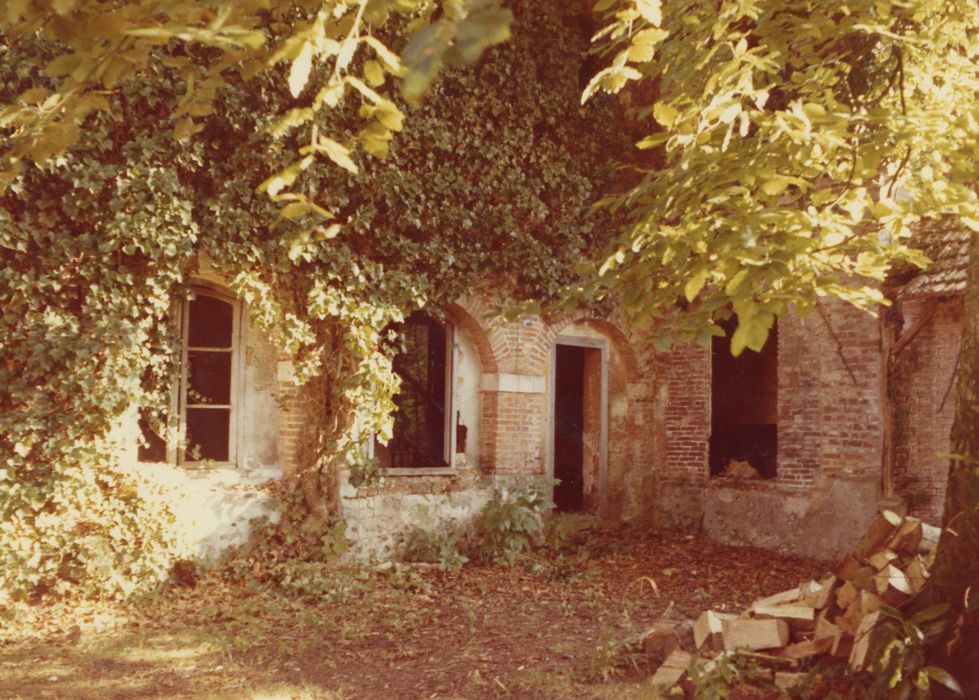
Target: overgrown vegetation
point(103, 240)
point(510, 524)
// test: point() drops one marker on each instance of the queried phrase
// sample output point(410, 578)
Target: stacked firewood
point(832, 616)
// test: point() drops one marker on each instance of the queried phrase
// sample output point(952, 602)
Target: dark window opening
point(204, 392)
point(744, 405)
point(420, 420)
point(207, 381)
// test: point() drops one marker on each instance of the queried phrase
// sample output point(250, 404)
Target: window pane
point(152, 447)
point(208, 430)
point(419, 422)
point(208, 377)
point(210, 323)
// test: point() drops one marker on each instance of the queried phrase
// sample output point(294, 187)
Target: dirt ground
point(544, 628)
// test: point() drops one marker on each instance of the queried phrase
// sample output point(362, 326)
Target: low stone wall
point(823, 523)
point(214, 509)
point(378, 518)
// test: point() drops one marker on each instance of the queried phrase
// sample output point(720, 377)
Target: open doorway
point(579, 430)
point(744, 405)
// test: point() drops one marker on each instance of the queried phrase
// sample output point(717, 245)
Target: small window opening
point(744, 408)
point(421, 419)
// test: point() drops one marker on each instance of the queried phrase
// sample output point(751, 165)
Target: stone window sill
point(422, 471)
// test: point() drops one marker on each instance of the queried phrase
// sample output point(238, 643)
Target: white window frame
point(178, 393)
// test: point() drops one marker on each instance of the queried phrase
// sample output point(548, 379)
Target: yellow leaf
point(300, 68)
point(63, 65)
point(338, 153)
point(390, 116)
point(665, 114)
point(693, 286)
point(651, 11)
point(374, 73)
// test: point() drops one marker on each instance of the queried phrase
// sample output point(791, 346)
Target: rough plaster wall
point(923, 377)
point(215, 507)
point(467, 394)
point(379, 516)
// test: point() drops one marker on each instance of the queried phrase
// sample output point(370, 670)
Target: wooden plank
point(788, 611)
point(707, 630)
point(861, 641)
point(789, 596)
point(755, 634)
point(672, 669)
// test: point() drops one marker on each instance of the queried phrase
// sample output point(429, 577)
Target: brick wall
point(686, 372)
point(828, 405)
point(922, 380)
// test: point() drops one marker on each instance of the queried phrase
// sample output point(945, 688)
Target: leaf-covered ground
point(547, 627)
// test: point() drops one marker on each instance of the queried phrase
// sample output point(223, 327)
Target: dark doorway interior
point(569, 423)
point(744, 405)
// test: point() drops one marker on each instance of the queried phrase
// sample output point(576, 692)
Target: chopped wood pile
point(833, 616)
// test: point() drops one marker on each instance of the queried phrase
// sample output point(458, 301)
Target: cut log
point(893, 586)
point(869, 602)
point(907, 538)
point(880, 559)
point(807, 649)
point(672, 669)
point(864, 579)
point(789, 611)
point(660, 639)
point(845, 594)
point(929, 538)
point(842, 646)
point(880, 531)
point(789, 596)
point(707, 630)
point(755, 634)
point(848, 567)
point(818, 594)
point(861, 641)
point(916, 573)
point(784, 680)
point(826, 629)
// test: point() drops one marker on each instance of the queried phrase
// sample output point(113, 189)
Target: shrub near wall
point(492, 175)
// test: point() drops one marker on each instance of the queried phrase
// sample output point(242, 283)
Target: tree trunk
point(955, 578)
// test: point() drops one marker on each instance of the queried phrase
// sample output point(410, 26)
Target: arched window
point(422, 420)
point(206, 388)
